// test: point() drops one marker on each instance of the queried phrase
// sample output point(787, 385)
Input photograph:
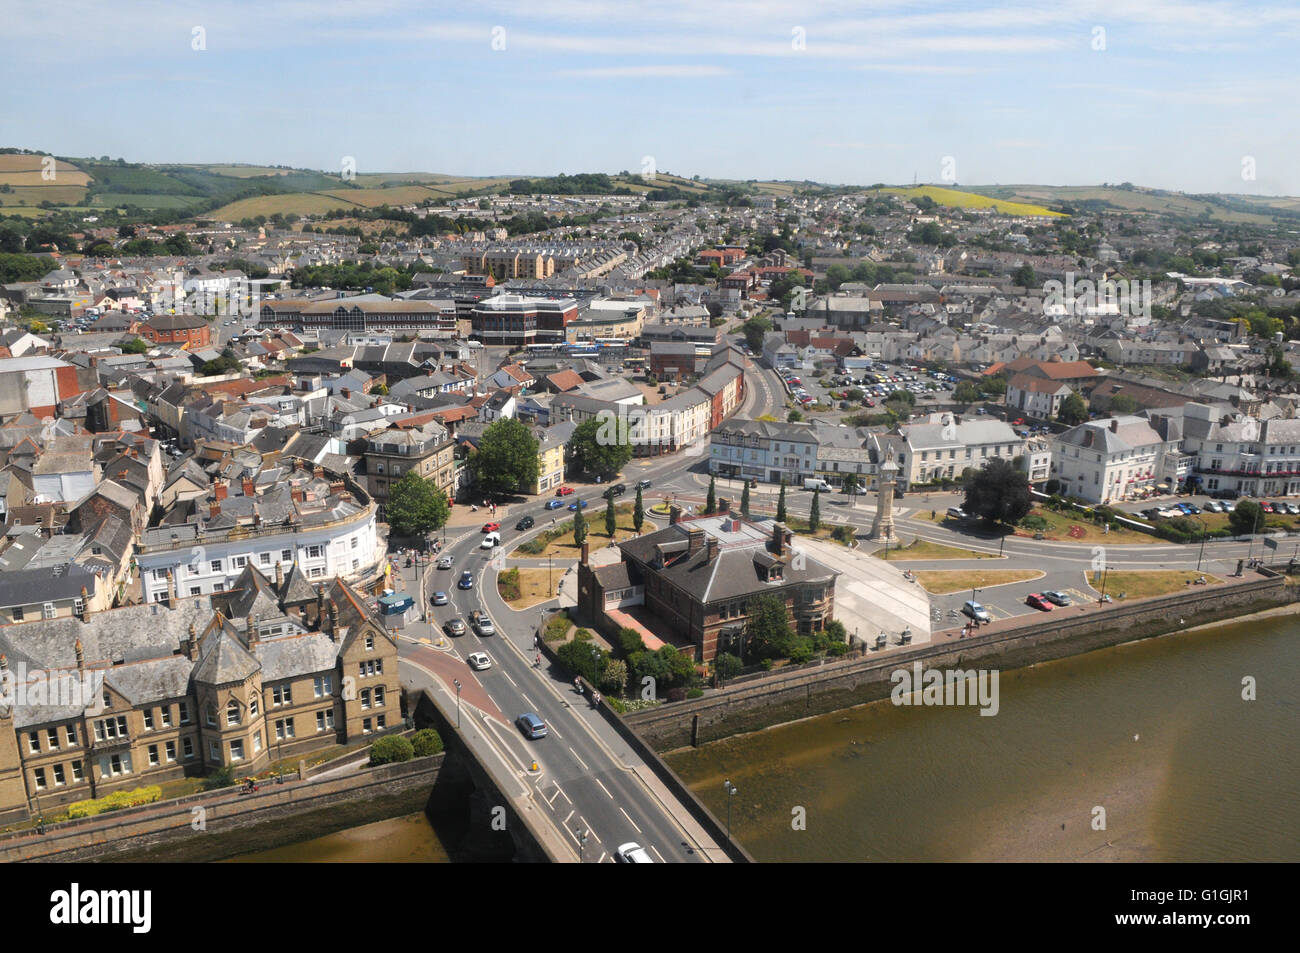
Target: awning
point(1162, 486)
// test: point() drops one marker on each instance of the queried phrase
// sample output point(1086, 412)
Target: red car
point(1038, 602)
point(1018, 422)
point(1266, 506)
point(491, 527)
point(564, 491)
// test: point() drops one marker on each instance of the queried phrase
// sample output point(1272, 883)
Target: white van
point(490, 540)
point(816, 483)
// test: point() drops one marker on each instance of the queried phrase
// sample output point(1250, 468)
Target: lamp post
point(457, 683)
point(731, 793)
point(1104, 571)
point(1204, 530)
point(595, 666)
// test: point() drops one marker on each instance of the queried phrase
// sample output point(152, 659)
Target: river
point(1155, 734)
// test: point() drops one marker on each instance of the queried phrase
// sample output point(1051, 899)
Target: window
point(252, 703)
point(365, 698)
point(218, 566)
point(58, 775)
point(370, 643)
point(70, 732)
point(323, 685)
point(153, 756)
point(39, 774)
point(232, 713)
point(210, 715)
point(18, 614)
point(78, 605)
point(315, 552)
point(165, 716)
point(315, 572)
point(77, 773)
point(239, 562)
point(264, 559)
point(236, 751)
point(185, 712)
point(257, 742)
point(284, 728)
point(148, 719)
point(379, 697)
point(354, 542)
point(114, 765)
point(325, 720)
point(382, 721)
point(34, 743)
point(286, 555)
point(107, 729)
point(187, 748)
point(214, 751)
point(48, 610)
point(281, 695)
point(170, 749)
point(365, 726)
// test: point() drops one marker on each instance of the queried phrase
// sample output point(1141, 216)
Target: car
point(1150, 513)
point(490, 541)
point(445, 562)
point(1215, 507)
point(1183, 508)
point(1191, 509)
point(643, 484)
point(454, 627)
point(440, 598)
point(869, 402)
point(525, 523)
point(631, 853)
point(976, 612)
point(554, 504)
point(532, 726)
point(481, 623)
point(563, 490)
point(490, 527)
point(466, 580)
point(1057, 598)
point(1266, 506)
point(578, 505)
point(1293, 509)
point(478, 661)
point(618, 489)
point(1038, 602)
point(1018, 422)
point(957, 513)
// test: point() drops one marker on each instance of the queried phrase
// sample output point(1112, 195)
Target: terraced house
point(264, 671)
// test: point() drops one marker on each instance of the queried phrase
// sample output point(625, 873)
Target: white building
point(1112, 459)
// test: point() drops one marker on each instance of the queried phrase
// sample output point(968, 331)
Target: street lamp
point(731, 793)
point(1204, 530)
point(1104, 571)
point(457, 683)
point(595, 665)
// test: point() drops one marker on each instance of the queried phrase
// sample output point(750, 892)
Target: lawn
point(940, 582)
point(1215, 521)
point(1074, 527)
point(924, 549)
point(561, 546)
point(522, 588)
point(1147, 583)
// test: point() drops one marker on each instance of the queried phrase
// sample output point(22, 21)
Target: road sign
point(1270, 543)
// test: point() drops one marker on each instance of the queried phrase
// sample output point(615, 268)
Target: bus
point(544, 350)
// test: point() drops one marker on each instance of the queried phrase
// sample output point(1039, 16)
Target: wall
point(845, 683)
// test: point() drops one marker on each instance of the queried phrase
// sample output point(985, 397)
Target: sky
point(1193, 96)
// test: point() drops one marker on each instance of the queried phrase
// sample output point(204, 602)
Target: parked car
point(466, 580)
point(454, 627)
point(440, 598)
point(445, 562)
point(564, 491)
point(490, 527)
point(1057, 598)
point(976, 612)
point(532, 726)
point(525, 523)
point(632, 853)
point(478, 661)
point(481, 623)
point(554, 504)
point(1038, 602)
point(1266, 506)
point(1214, 507)
point(957, 513)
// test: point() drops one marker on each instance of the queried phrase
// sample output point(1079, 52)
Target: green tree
point(794, 416)
point(38, 326)
point(780, 503)
point(600, 446)
point(711, 499)
point(1123, 404)
point(754, 330)
point(1073, 410)
point(1246, 517)
point(815, 514)
point(998, 492)
point(611, 521)
point(416, 507)
point(613, 681)
point(768, 628)
point(744, 500)
point(579, 528)
point(425, 742)
point(1024, 276)
point(638, 512)
point(727, 666)
point(851, 484)
point(967, 392)
point(391, 750)
point(507, 457)
point(135, 346)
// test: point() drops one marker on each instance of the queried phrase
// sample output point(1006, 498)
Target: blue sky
point(1168, 94)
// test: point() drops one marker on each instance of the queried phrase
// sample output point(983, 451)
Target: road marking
point(571, 813)
point(579, 760)
point(630, 821)
point(511, 680)
point(603, 855)
point(589, 829)
point(603, 788)
point(527, 699)
point(657, 854)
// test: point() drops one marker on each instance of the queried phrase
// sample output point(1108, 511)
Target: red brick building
point(189, 329)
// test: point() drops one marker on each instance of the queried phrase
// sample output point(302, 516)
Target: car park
point(1037, 601)
point(445, 562)
point(632, 853)
point(532, 726)
point(454, 627)
point(976, 612)
point(1057, 598)
point(525, 523)
point(478, 661)
point(440, 598)
point(466, 580)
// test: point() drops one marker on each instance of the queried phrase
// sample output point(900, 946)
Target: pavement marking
point(579, 760)
point(629, 820)
point(657, 854)
point(508, 678)
point(603, 788)
point(571, 813)
point(525, 697)
point(603, 855)
point(590, 830)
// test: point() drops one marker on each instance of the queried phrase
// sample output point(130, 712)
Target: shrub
point(677, 694)
point(837, 648)
point(695, 693)
point(508, 584)
point(117, 801)
point(727, 665)
point(582, 635)
point(630, 641)
point(425, 742)
point(1053, 487)
point(391, 750)
point(1037, 523)
point(223, 777)
point(557, 627)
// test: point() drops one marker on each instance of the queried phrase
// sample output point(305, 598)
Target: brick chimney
point(214, 510)
point(81, 657)
point(220, 490)
point(586, 551)
point(171, 590)
point(250, 629)
point(192, 644)
point(296, 495)
point(318, 472)
point(778, 538)
point(334, 621)
point(1114, 425)
point(674, 514)
point(279, 574)
point(694, 541)
point(337, 486)
point(249, 489)
point(712, 551)
point(346, 392)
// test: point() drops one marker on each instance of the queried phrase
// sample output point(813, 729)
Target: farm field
point(955, 198)
point(34, 195)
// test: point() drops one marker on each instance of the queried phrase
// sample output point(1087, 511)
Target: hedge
point(425, 742)
point(391, 750)
point(115, 802)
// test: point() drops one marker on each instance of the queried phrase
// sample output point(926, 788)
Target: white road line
point(527, 699)
point(508, 678)
point(552, 730)
point(630, 821)
point(603, 788)
point(589, 829)
point(566, 820)
point(657, 854)
point(603, 855)
point(579, 760)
